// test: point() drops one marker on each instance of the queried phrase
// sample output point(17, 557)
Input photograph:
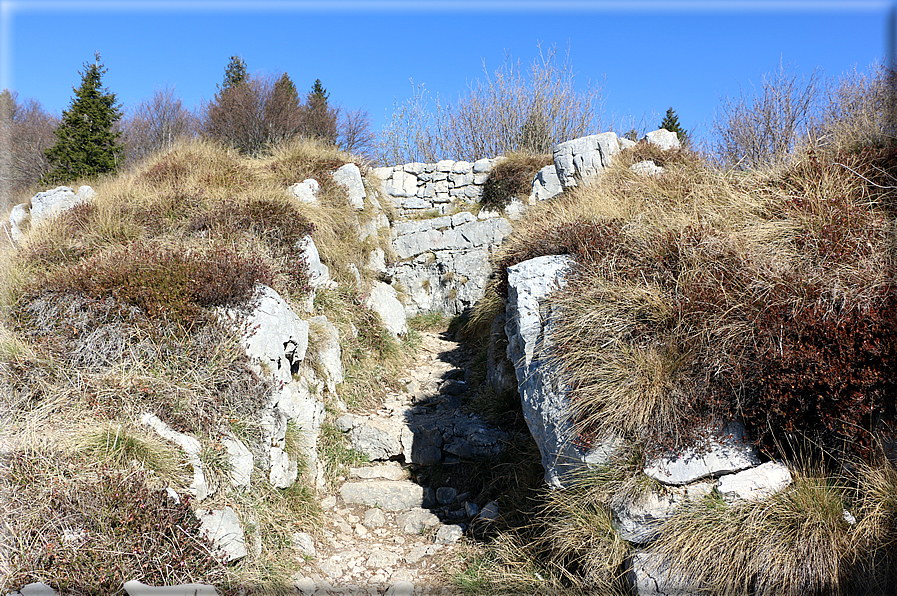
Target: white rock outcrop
point(723, 452)
point(383, 301)
point(306, 191)
point(664, 139)
point(543, 392)
point(191, 448)
point(349, 177)
point(222, 526)
point(274, 337)
point(585, 157)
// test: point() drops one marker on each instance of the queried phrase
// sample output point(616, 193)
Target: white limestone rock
point(585, 157)
point(318, 272)
point(223, 528)
point(384, 302)
point(663, 138)
point(306, 191)
point(50, 203)
point(271, 334)
point(17, 217)
point(390, 495)
point(349, 177)
point(329, 353)
point(755, 484)
point(650, 575)
point(647, 168)
point(241, 462)
point(546, 184)
point(639, 521)
point(724, 452)
point(304, 543)
point(191, 448)
point(402, 184)
point(136, 588)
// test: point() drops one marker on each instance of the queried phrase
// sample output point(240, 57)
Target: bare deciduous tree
point(155, 124)
point(763, 127)
point(26, 131)
point(507, 111)
point(355, 134)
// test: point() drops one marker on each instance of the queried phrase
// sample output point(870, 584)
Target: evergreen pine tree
point(234, 74)
point(671, 123)
point(319, 92)
point(86, 145)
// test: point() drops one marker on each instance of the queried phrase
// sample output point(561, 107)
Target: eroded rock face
point(272, 334)
point(724, 452)
point(584, 158)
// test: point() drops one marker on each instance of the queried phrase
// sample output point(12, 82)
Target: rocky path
point(384, 533)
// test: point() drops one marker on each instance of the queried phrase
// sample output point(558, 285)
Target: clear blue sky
point(647, 55)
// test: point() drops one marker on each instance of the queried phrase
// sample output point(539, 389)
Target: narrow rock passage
point(384, 533)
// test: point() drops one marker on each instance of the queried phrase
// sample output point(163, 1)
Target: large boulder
point(543, 391)
point(663, 138)
point(384, 301)
point(546, 184)
point(45, 205)
point(349, 177)
point(585, 157)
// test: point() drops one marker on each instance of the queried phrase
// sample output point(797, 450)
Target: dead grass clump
point(798, 541)
point(512, 178)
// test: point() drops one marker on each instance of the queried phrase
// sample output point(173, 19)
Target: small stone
point(446, 495)
point(345, 422)
point(412, 522)
point(361, 530)
point(374, 518)
point(490, 511)
point(328, 502)
point(401, 589)
point(306, 585)
point(304, 543)
point(449, 534)
point(472, 509)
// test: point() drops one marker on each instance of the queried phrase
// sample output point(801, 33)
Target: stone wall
point(419, 187)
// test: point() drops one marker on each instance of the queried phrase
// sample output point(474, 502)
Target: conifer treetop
point(86, 144)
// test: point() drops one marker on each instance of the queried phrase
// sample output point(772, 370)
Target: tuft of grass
point(119, 446)
point(335, 451)
point(430, 321)
point(512, 178)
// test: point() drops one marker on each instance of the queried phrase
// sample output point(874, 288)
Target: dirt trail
point(374, 550)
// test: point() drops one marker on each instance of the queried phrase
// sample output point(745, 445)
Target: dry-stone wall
point(420, 187)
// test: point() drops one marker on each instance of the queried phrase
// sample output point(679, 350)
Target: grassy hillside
point(109, 311)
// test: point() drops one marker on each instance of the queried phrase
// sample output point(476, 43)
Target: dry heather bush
point(504, 113)
point(87, 530)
